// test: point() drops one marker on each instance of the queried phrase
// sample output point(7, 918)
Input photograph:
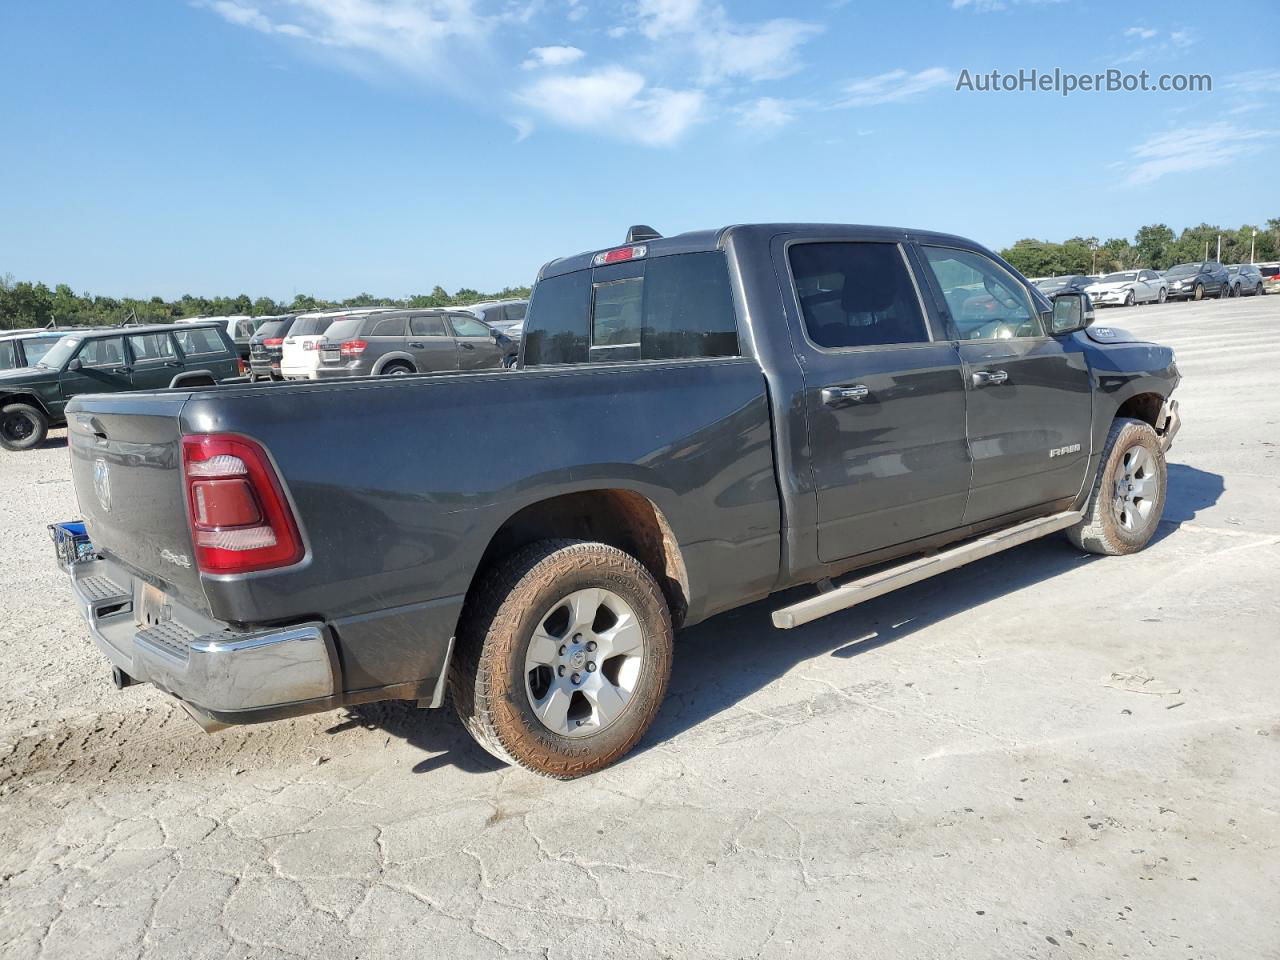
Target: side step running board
point(913, 571)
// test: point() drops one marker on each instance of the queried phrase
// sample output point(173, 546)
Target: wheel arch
point(1142, 406)
point(398, 357)
point(30, 398)
point(619, 517)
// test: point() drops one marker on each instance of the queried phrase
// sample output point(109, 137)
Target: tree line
point(1155, 246)
point(26, 304)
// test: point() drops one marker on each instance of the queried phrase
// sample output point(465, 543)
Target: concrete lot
point(977, 766)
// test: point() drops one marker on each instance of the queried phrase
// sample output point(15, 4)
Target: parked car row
point(390, 341)
point(1185, 281)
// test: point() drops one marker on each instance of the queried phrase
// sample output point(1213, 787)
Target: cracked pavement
point(948, 770)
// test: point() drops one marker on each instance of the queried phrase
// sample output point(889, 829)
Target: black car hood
point(1104, 334)
point(23, 375)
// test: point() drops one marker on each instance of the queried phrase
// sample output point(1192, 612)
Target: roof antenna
point(640, 233)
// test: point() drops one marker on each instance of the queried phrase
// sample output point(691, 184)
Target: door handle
point(417, 346)
point(989, 378)
point(837, 395)
point(123, 370)
point(467, 346)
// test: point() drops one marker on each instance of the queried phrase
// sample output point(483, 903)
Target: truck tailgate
point(126, 467)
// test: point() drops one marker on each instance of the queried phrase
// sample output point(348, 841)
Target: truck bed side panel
point(401, 483)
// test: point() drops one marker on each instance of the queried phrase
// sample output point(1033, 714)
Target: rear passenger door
point(431, 343)
point(477, 350)
point(155, 362)
point(884, 397)
point(386, 335)
point(1030, 400)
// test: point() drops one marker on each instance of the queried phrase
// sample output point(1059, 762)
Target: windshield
point(60, 353)
point(343, 328)
point(37, 347)
point(1120, 277)
point(1182, 269)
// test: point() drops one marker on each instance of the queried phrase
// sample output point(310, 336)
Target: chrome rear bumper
point(220, 675)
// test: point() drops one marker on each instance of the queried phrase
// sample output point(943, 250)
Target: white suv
point(300, 352)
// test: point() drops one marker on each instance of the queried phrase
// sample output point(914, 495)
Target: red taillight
point(273, 341)
point(240, 519)
point(353, 348)
point(619, 255)
point(242, 366)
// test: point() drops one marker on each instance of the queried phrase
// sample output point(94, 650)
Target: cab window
point(856, 295)
point(986, 302)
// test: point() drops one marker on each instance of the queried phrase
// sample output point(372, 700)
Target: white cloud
point(1182, 38)
point(893, 87)
point(767, 114)
point(1255, 81)
point(987, 6)
point(722, 47)
point(523, 127)
point(552, 57)
point(1199, 148)
point(617, 102)
point(1142, 33)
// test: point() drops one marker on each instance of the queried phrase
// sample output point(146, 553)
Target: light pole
point(1253, 238)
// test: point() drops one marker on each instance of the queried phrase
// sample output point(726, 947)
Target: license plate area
point(151, 607)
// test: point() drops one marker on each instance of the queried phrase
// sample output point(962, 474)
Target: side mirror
point(1071, 312)
point(75, 364)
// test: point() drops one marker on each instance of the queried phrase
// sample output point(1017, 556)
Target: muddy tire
point(562, 658)
point(22, 426)
point(1127, 500)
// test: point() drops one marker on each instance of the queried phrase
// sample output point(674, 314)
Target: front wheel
point(562, 657)
point(1225, 292)
point(1127, 500)
point(1131, 300)
point(22, 426)
point(1162, 296)
point(1199, 292)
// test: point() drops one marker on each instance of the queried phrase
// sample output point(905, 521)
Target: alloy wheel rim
point(582, 664)
point(1137, 488)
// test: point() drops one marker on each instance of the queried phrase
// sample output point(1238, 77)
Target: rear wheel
point(22, 426)
point(1226, 291)
point(1162, 296)
point(396, 370)
point(562, 657)
point(1199, 292)
point(1128, 495)
point(1258, 290)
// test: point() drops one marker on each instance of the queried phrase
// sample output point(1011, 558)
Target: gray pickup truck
point(697, 422)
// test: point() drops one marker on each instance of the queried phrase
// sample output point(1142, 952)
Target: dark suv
point(266, 346)
point(412, 341)
point(1195, 281)
point(32, 399)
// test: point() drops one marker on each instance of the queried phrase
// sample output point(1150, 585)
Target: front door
point(477, 350)
point(103, 368)
point(155, 361)
point(884, 399)
point(1030, 400)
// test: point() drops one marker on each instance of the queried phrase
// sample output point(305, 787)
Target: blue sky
point(332, 147)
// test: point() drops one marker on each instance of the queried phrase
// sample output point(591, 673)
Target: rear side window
point(515, 311)
point(856, 295)
point(198, 341)
point(7, 361)
point(429, 325)
point(151, 346)
point(388, 327)
point(668, 308)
